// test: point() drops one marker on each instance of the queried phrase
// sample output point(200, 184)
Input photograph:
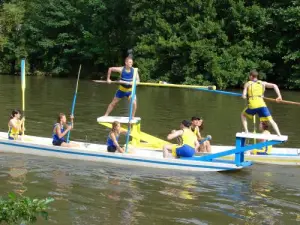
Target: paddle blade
point(23, 83)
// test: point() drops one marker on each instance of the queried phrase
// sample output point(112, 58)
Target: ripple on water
point(93, 193)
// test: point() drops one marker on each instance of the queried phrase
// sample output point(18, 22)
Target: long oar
point(74, 101)
point(160, 85)
point(23, 86)
point(239, 95)
point(130, 107)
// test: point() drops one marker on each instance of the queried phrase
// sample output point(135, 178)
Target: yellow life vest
point(255, 93)
point(196, 131)
point(188, 137)
point(13, 132)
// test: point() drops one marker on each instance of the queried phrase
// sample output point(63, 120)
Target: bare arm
point(61, 134)
point(276, 89)
point(18, 125)
point(175, 134)
point(198, 134)
point(137, 76)
point(244, 95)
point(113, 69)
point(196, 144)
point(13, 124)
point(114, 139)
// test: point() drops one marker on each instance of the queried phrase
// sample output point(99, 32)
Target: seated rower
point(15, 125)
point(189, 142)
point(113, 137)
point(196, 127)
point(59, 131)
point(264, 128)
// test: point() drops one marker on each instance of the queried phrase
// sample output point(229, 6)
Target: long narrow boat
point(95, 152)
point(279, 156)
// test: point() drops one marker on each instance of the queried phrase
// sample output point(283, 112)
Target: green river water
point(100, 193)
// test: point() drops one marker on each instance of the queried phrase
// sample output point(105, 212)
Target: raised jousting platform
point(139, 139)
point(241, 147)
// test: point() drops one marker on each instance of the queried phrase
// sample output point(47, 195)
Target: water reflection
point(17, 173)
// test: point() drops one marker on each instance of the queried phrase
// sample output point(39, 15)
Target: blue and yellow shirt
point(126, 76)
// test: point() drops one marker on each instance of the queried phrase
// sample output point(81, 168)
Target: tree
point(23, 210)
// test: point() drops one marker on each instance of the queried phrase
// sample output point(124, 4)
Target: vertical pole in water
point(74, 101)
point(23, 86)
point(254, 127)
point(130, 107)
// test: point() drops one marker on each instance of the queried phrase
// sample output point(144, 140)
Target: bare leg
point(244, 122)
point(111, 106)
point(70, 144)
point(275, 127)
point(134, 108)
point(166, 150)
point(207, 146)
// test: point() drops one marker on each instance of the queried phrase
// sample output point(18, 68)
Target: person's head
point(128, 62)
point(197, 121)
point(263, 125)
point(15, 114)
point(253, 75)
point(185, 124)
point(116, 127)
point(61, 118)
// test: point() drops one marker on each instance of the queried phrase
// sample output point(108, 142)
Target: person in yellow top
point(264, 128)
point(125, 89)
point(189, 142)
point(196, 127)
point(15, 125)
point(254, 92)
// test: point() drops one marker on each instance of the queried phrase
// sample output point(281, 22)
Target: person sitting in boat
point(60, 129)
point(264, 128)
point(113, 137)
point(189, 142)
point(197, 124)
point(15, 125)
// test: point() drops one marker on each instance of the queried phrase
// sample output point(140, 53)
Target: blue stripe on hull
point(117, 157)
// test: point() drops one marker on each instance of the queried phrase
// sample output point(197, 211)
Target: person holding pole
point(15, 125)
point(254, 93)
point(125, 88)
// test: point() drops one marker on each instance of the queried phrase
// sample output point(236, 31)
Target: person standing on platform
point(254, 93)
point(125, 88)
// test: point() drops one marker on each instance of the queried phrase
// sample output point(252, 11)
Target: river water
point(99, 193)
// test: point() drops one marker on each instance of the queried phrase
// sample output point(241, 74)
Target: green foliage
point(192, 42)
point(23, 210)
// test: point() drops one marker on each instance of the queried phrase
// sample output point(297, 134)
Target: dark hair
point(14, 112)
point(186, 123)
point(60, 116)
point(201, 127)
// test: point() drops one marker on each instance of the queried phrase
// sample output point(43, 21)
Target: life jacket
point(255, 93)
point(55, 136)
point(126, 76)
